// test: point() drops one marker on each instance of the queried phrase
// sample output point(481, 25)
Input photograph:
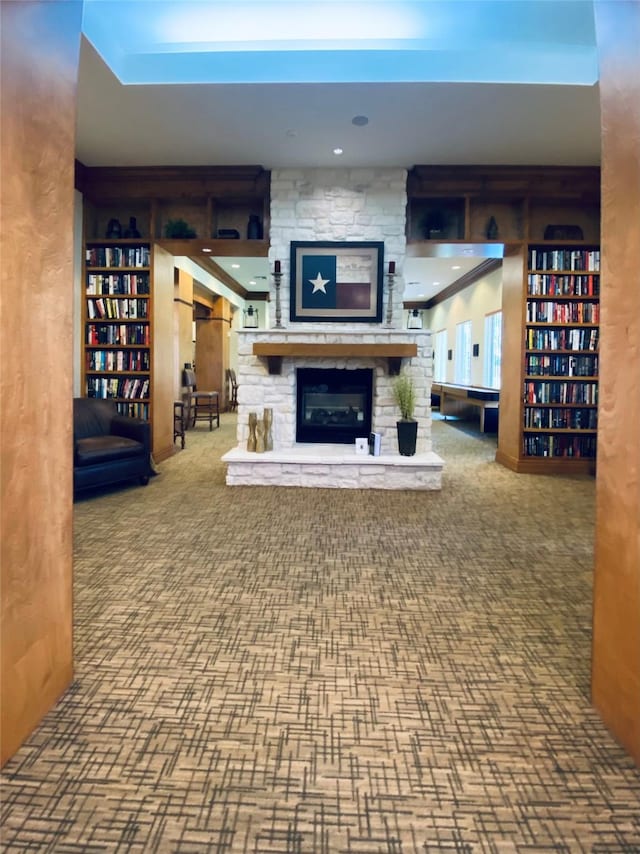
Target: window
point(462, 369)
point(440, 357)
point(492, 349)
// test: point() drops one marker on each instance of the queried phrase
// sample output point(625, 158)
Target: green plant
point(404, 393)
point(178, 228)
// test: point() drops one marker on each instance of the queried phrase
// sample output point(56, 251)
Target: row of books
point(112, 387)
point(562, 339)
point(565, 259)
point(560, 419)
point(560, 446)
point(118, 360)
point(134, 410)
point(562, 312)
point(568, 285)
point(561, 365)
point(117, 283)
point(559, 391)
point(118, 256)
point(117, 308)
point(118, 333)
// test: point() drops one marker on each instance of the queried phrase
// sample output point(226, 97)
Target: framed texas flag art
point(336, 282)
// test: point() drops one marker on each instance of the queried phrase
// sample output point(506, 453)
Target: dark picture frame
point(334, 282)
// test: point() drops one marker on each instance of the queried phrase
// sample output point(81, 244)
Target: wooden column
point(164, 354)
point(616, 605)
point(510, 420)
point(183, 316)
point(40, 52)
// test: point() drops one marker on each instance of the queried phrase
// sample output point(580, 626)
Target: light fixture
point(250, 318)
point(338, 151)
point(414, 319)
point(206, 249)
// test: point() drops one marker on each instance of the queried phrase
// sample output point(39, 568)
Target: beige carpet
point(295, 670)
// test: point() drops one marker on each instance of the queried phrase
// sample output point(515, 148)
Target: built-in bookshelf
point(560, 390)
point(118, 329)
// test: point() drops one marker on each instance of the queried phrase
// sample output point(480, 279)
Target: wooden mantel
point(275, 351)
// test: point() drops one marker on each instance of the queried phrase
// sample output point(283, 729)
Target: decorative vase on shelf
point(132, 230)
point(253, 422)
point(114, 229)
point(267, 418)
point(260, 448)
point(254, 228)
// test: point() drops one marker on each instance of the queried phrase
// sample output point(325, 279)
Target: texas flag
point(322, 290)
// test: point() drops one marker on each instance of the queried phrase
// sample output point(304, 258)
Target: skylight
point(208, 41)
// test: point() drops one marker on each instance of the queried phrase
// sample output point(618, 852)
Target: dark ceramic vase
point(254, 228)
point(407, 437)
point(114, 229)
point(132, 230)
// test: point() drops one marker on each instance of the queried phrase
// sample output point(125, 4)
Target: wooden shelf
point(274, 352)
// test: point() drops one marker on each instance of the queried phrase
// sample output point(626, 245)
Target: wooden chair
point(204, 405)
point(232, 390)
point(179, 421)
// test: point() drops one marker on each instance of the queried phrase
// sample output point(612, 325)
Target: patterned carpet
point(297, 670)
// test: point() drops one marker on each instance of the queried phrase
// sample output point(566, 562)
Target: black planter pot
point(407, 437)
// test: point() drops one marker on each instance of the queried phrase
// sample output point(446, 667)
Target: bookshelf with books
point(118, 335)
point(559, 383)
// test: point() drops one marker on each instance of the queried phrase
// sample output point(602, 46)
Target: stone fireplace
point(338, 205)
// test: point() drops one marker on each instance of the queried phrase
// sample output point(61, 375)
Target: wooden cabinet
point(129, 353)
point(552, 428)
point(503, 204)
point(545, 224)
point(118, 333)
point(560, 389)
point(214, 205)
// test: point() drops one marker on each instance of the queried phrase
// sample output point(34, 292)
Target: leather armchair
point(108, 447)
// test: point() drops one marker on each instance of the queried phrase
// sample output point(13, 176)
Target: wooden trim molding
point(274, 352)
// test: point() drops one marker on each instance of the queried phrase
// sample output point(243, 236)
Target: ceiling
point(476, 90)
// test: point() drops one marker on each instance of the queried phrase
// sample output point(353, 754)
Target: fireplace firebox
point(333, 404)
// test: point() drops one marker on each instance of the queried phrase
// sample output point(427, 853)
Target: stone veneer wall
point(335, 205)
point(338, 205)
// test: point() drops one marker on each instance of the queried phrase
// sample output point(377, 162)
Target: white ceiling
point(288, 125)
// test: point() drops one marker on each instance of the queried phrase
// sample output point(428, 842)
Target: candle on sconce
point(392, 267)
point(277, 267)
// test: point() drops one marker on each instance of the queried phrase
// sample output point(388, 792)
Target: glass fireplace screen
point(333, 405)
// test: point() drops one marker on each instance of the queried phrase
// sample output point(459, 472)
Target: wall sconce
point(414, 319)
point(250, 318)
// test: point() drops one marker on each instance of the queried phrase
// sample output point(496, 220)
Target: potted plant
point(405, 396)
point(178, 229)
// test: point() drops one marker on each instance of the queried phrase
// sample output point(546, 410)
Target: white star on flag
point(319, 284)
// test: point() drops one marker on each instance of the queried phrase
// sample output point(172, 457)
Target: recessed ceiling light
point(360, 121)
point(435, 284)
point(337, 151)
point(456, 267)
point(252, 282)
point(205, 249)
point(235, 266)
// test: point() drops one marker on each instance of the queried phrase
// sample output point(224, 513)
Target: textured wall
point(616, 614)
point(338, 205)
point(40, 47)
